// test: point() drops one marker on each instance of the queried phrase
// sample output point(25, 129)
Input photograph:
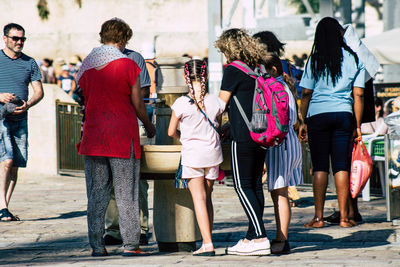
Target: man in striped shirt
point(17, 70)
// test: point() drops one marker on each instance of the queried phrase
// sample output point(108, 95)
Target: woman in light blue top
point(333, 85)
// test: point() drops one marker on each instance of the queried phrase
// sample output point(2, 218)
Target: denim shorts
point(14, 141)
point(329, 136)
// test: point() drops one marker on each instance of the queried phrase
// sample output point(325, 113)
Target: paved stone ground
point(53, 231)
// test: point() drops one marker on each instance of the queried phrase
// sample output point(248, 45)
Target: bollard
point(174, 222)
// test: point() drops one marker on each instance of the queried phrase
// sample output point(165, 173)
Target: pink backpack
point(270, 120)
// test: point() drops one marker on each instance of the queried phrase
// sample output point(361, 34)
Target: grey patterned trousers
point(112, 225)
point(100, 173)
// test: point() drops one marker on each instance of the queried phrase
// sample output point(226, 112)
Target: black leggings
point(329, 136)
point(247, 166)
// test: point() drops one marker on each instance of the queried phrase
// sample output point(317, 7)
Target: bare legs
point(12, 182)
point(6, 184)
point(320, 184)
point(282, 212)
point(8, 180)
point(201, 190)
point(342, 190)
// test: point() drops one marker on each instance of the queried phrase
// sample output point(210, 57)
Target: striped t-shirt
point(15, 76)
point(139, 60)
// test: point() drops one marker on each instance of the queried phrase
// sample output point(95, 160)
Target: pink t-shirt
point(201, 146)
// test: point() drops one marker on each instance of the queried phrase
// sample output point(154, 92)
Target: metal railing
point(69, 119)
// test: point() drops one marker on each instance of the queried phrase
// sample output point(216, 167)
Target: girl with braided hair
point(198, 114)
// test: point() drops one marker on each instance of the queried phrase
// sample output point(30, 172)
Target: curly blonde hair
point(115, 31)
point(237, 44)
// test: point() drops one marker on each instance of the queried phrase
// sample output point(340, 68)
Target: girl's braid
point(190, 85)
point(203, 84)
point(189, 81)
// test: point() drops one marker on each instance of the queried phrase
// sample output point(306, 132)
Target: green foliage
point(79, 3)
point(302, 9)
point(43, 9)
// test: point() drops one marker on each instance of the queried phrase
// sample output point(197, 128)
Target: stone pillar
point(214, 57)
point(326, 8)
point(42, 129)
point(170, 86)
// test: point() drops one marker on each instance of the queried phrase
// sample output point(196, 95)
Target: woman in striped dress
point(283, 165)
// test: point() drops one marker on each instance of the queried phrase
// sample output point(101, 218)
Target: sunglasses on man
point(16, 38)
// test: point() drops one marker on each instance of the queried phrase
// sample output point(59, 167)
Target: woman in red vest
point(110, 141)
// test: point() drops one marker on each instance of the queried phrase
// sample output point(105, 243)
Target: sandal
point(347, 223)
point(5, 213)
point(202, 250)
point(315, 223)
point(132, 253)
point(353, 221)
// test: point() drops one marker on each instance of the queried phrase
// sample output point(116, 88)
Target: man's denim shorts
point(14, 141)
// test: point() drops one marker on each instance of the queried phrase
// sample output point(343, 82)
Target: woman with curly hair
point(247, 157)
point(333, 87)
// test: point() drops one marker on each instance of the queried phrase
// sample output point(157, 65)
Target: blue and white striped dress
point(284, 162)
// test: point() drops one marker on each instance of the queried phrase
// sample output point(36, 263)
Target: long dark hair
point(271, 41)
point(326, 55)
point(276, 62)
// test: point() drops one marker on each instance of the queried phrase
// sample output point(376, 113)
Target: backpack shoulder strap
point(242, 113)
point(262, 68)
point(153, 67)
point(152, 64)
point(246, 69)
point(243, 67)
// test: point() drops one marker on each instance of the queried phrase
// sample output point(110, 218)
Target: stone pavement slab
point(53, 231)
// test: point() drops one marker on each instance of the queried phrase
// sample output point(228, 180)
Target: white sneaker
point(250, 248)
point(232, 250)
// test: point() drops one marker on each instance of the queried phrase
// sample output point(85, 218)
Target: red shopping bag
point(361, 168)
point(221, 177)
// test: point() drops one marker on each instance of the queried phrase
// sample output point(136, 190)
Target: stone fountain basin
point(160, 158)
point(164, 159)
